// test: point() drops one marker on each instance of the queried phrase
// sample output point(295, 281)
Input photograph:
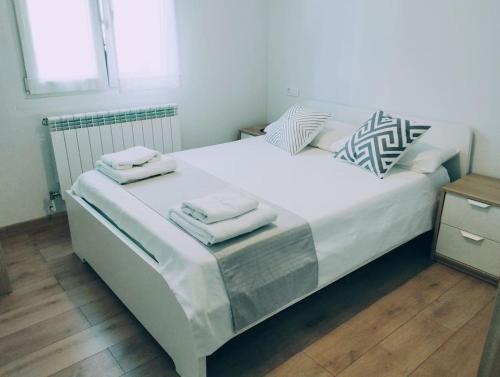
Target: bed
point(174, 287)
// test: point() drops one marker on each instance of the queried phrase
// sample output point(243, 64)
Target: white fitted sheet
point(354, 216)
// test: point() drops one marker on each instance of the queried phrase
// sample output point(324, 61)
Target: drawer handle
point(471, 236)
point(475, 203)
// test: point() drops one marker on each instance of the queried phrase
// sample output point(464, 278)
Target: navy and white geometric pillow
point(296, 128)
point(381, 142)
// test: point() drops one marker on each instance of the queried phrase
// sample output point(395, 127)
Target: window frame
point(106, 58)
point(33, 85)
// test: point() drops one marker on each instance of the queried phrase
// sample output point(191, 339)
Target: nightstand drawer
point(469, 249)
point(473, 216)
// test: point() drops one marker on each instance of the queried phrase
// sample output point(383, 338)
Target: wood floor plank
point(42, 334)
point(73, 349)
point(457, 306)
point(56, 251)
point(299, 365)
point(29, 271)
point(18, 240)
point(35, 226)
point(160, 367)
point(346, 344)
point(25, 316)
point(135, 351)
point(405, 349)
point(32, 262)
point(102, 309)
point(47, 236)
point(87, 293)
point(18, 254)
point(29, 295)
point(69, 263)
point(51, 236)
point(461, 354)
point(415, 341)
point(99, 365)
point(29, 277)
point(380, 362)
point(70, 280)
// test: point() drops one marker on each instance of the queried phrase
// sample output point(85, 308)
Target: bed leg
point(191, 367)
point(82, 259)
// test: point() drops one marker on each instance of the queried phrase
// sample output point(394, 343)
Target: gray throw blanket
point(263, 270)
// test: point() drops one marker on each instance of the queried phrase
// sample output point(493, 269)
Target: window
point(77, 45)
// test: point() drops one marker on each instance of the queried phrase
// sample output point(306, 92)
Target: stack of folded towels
point(221, 216)
point(134, 164)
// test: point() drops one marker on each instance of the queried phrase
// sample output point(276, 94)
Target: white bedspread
point(354, 216)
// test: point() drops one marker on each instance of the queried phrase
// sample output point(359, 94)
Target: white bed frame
point(133, 275)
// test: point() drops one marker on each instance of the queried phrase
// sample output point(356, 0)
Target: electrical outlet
point(293, 91)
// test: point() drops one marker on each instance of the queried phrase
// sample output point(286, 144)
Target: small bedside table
point(467, 234)
point(251, 132)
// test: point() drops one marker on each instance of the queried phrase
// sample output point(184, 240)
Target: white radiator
point(80, 140)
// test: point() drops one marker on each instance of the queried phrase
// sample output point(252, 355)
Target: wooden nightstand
point(467, 234)
point(251, 132)
point(4, 278)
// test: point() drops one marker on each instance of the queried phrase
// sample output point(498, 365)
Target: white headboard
point(442, 134)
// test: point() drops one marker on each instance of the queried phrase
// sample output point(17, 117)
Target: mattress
point(354, 216)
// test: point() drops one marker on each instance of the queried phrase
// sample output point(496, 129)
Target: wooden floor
point(399, 316)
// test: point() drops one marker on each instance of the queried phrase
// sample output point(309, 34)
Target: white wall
point(432, 58)
point(223, 67)
point(438, 59)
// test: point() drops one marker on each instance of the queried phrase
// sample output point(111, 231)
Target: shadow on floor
point(277, 339)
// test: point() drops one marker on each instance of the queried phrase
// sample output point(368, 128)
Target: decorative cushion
point(296, 129)
point(381, 142)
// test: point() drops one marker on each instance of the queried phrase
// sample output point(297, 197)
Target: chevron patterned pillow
point(381, 142)
point(296, 129)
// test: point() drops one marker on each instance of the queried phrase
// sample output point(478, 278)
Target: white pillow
point(339, 144)
point(296, 128)
point(333, 131)
point(425, 158)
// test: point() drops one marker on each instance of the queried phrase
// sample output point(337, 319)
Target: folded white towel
point(164, 165)
point(130, 157)
point(219, 206)
point(211, 234)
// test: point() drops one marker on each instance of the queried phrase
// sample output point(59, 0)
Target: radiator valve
point(53, 195)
